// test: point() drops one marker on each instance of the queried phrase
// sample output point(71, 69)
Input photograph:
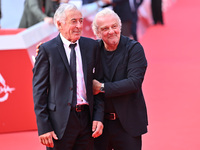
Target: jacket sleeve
point(98, 99)
point(40, 91)
point(98, 108)
point(134, 73)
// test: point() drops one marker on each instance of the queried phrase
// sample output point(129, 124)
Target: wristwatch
point(102, 88)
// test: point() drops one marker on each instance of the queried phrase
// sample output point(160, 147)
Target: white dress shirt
point(81, 90)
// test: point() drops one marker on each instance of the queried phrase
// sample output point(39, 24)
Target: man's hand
point(49, 20)
point(64, 1)
point(47, 139)
point(107, 1)
point(97, 128)
point(96, 87)
point(37, 48)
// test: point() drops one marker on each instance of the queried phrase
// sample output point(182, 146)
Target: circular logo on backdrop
point(5, 90)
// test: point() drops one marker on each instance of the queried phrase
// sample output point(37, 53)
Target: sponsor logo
point(5, 90)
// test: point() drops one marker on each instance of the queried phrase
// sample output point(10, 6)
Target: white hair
point(60, 14)
point(104, 12)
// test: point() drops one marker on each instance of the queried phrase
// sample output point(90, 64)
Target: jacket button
point(71, 88)
point(69, 104)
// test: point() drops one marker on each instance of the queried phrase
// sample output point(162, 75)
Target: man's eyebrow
point(77, 18)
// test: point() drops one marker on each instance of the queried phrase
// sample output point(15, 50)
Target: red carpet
point(20, 141)
point(171, 85)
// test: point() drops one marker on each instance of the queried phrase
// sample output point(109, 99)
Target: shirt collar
point(66, 42)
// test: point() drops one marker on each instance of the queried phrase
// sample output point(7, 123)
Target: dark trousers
point(156, 6)
point(78, 133)
point(129, 28)
point(115, 137)
point(134, 25)
point(126, 28)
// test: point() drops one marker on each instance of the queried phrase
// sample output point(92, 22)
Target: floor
point(171, 85)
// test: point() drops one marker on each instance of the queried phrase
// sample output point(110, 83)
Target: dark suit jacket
point(125, 86)
point(0, 9)
point(123, 9)
point(87, 1)
point(52, 85)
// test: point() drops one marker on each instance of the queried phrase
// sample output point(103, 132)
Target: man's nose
point(79, 24)
point(111, 30)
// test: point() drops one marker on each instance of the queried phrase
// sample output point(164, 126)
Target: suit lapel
point(61, 50)
point(83, 49)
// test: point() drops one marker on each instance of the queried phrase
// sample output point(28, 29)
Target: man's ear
point(99, 34)
point(59, 25)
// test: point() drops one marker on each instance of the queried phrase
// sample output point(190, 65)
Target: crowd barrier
point(17, 53)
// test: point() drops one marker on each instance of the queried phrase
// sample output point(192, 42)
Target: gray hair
point(60, 14)
point(104, 12)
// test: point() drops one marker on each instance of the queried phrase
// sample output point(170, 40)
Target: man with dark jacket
point(123, 68)
point(67, 114)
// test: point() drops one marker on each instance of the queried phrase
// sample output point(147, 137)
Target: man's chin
point(114, 41)
point(76, 37)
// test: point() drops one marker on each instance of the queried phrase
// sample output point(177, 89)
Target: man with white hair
point(123, 69)
point(67, 114)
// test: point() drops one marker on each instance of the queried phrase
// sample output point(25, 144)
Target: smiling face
point(109, 31)
point(72, 26)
